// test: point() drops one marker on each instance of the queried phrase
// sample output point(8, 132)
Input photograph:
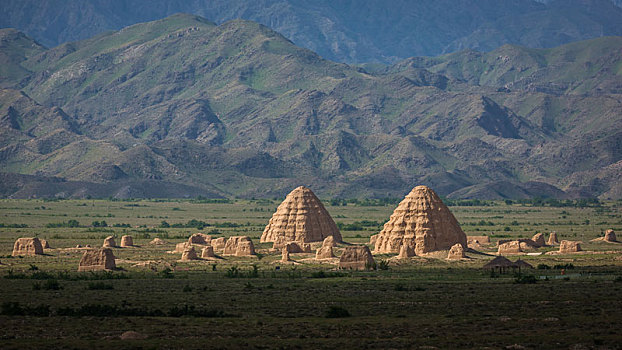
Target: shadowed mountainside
point(343, 30)
point(238, 109)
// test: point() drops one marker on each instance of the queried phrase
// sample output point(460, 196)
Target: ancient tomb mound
point(423, 221)
point(301, 217)
point(356, 258)
point(109, 242)
point(553, 239)
point(570, 247)
point(27, 246)
point(189, 254)
point(127, 241)
point(97, 259)
point(200, 238)
point(239, 246)
point(326, 250)
point(456, 252)
point(208, 252)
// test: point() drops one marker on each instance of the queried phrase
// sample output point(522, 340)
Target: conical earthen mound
point(300, 218)
point(423, 221)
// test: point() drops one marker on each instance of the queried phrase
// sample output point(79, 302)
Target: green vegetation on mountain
point(238, 110)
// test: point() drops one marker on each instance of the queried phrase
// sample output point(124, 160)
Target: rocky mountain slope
point(342, 30)
point(238, 110)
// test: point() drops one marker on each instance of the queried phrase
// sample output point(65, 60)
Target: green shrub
point(99, 286)
point(336, 312)
point(383, 265)
point(525, 279)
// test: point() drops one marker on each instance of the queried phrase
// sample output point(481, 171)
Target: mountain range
point(350, 31)
point(183, 107)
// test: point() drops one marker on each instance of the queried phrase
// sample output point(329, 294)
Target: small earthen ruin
point(200, 238)
point(97, 260)
point(511, 247)
point(569, 247)
point(219, 243)
point(189, 254)
point(356, 258)
point(552, 239)
point(326, 250)
point(109, 242)
point(27, 247)
point(208, 252)
point(239, 246)
point(456, 252)
point(127, 241)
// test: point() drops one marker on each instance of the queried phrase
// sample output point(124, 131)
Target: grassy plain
point(205, 304)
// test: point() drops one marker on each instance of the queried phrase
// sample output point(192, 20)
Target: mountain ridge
point(238, 110)
point(344, 30)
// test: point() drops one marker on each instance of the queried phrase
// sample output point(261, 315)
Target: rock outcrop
point(208, 252)
point(200, 238)
point(423, 221)
point(569, 247)
point(27, 247)
point(553, 239)
point(356, 258)
point(301, 217)
point(97, 260)
point(127, 241)
point(239, 246)
point(109, 242)
point(456, 252)
point(189, 254)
